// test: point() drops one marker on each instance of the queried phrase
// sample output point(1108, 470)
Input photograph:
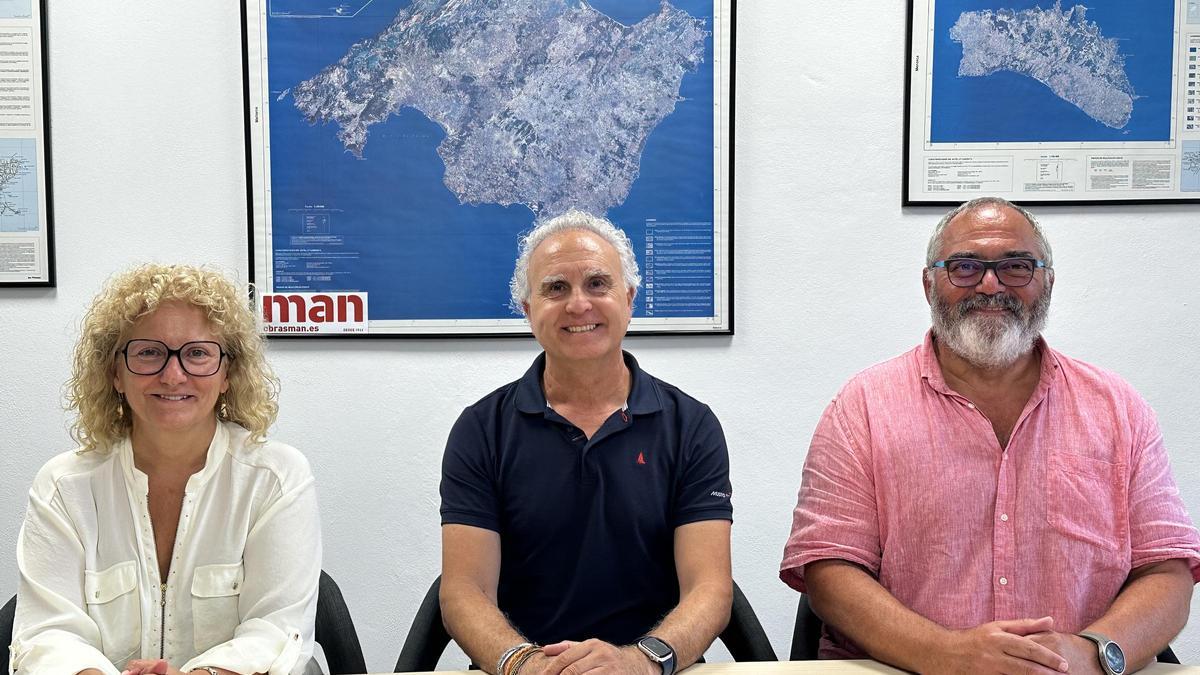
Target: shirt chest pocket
point(1086, 501)
point(113, 603)
point(216, 590)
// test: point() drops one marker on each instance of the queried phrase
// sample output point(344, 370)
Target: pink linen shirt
point(906, 478)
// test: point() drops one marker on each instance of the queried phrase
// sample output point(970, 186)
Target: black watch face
point(1115, 657)
point(656, 647)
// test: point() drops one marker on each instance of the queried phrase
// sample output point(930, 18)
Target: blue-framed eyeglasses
point(1012, 272)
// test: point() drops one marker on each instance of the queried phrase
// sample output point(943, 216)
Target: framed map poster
point(26, 219)
point(1053, 101)
point(397, 149)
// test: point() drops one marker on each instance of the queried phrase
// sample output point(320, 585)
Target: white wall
point(148, 165)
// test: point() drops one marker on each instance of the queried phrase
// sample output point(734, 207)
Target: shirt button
point(1004, 517)
point(1003, 581)
point(971, 406)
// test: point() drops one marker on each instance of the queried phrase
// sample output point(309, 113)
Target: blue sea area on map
point(1007, 107)
point(317, 8)
point(422, 254)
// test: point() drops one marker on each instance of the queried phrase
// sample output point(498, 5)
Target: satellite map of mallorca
point(410, 136)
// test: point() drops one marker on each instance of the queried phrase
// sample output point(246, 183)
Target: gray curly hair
point(518, 286)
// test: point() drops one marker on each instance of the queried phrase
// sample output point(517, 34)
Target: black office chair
point(7, 614)
point(427, 637)
point(335, 630)
point(806, 636)
point(744, 637)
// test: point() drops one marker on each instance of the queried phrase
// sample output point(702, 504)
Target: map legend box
point(678, 274)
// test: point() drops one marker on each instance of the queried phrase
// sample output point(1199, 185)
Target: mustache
point(1004, 301)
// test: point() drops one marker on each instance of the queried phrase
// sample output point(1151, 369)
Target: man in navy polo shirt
point(586, 506)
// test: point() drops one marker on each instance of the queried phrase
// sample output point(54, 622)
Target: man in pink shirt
point(980, 501)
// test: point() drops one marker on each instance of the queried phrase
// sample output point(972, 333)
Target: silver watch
point(659, 652)
point(1112, 657)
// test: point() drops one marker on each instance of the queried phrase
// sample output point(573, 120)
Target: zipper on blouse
point(162, 598)
point(162, 626)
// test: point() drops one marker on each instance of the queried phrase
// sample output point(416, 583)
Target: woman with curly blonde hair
point(177, 538)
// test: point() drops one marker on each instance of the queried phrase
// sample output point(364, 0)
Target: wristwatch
point(1112, 657)
point(659, 652)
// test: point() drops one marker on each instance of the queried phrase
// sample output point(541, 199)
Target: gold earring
point(120, 405)
point(223, 410)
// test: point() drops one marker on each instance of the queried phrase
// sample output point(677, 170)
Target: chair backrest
point(427, 637)
point(744, 637)
point(335, 630)
point(806, 637)
point(7, 615)
point(1168, 656)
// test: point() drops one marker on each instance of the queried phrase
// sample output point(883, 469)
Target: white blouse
point(242, 590)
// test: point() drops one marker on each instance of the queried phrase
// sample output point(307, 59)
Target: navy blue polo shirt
point(586, 525)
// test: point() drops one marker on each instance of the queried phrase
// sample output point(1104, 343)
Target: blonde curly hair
point(104, 418)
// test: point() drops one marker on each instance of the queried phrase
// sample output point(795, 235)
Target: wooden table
point(833, 668)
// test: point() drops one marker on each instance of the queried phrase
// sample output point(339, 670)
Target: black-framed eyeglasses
point(1012, 272)
point(150, 357)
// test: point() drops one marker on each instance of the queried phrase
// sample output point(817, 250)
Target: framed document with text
point(397, 150)
point(26, 218)
point(1053, 101)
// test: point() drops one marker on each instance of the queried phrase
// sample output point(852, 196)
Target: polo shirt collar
point(644, 396)
point(931, 371)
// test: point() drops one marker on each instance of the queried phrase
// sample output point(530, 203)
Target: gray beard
point(990, 342)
